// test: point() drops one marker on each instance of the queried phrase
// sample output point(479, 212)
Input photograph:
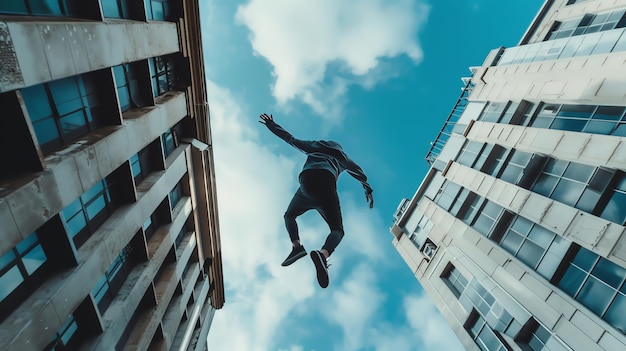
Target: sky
point(380, 77)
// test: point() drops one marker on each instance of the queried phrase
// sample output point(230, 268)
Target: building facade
point(109, 237)
point(517, 231)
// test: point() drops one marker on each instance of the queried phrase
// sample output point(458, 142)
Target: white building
point(109, 238)
point(517, 231)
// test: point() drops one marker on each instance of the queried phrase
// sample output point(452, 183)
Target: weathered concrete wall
point(37, 52)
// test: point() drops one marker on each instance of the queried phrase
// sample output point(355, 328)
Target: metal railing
point(445, 132)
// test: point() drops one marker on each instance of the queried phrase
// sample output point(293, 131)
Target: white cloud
point(426, 321)
point(317, 48)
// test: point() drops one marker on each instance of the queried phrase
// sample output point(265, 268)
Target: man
point(318, 190)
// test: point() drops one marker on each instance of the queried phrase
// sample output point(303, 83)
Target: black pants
point(318, 190)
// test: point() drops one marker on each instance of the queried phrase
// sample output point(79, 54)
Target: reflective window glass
point(19, 264)
point(84, 209)
point(60, 110)
point(34, 259)
point(595, 295)
point(135, 165)
point(9, 281)
point(6, 259)
point(609, 273)
point(615, 315)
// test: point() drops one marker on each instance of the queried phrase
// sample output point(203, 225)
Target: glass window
point(615, 210)
point(487, 217)
point(94, 202)
point(598, 284)
point(163, 74)
point(169, 143)
point(456, 281)
point(175, 195)
point(105, 290)
point(447, 195)
point(60, 111)
point(115, 8)
point(535, 246)
point(65, 336)
point(565, 182)
point(157, 10)
point(19, 264)
point(514, 169)
point(492, 112)
point(39, 7)
point(484, 336)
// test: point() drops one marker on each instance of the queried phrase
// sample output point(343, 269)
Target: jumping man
point(318, 190)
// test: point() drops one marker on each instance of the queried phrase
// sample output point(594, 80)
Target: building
point(109, 237)
point(517, 231)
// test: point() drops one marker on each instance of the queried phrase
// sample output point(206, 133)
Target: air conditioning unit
point(429, 250)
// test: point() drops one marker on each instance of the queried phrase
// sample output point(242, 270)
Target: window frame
point(82, 204)
point(29, 281)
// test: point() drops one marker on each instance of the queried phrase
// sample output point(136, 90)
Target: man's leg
point(299, 204)
point(321, 187)
point(330, 210)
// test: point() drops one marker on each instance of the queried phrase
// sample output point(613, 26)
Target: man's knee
point(288, 216)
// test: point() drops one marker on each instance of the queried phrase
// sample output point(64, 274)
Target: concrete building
point(109, 236)
point(517, 231)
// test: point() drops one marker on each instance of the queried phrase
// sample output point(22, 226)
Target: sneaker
point(296, 254)
point(321, 267)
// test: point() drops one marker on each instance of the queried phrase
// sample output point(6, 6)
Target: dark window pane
point(36, 101)
point(511, 242)
point(615, 210)
point(9, 281)
point(94, 208)
point(110, 9)
point(579, 172)
point(46, 130)
point(541, 236)
point(572, 280)
point(610, 113)
point(595, 295)
point(568, 192)
point(27, 243)
point(70, 210)
point(545, 184)
point(615, 315)
point(574, 125)
point(34, 259)
point(588, 200)
point(76, 224)
point(6, 259)
point(45, 7)
point(93, 192)
point(609, 272)
point(483, 224)
point(13, 7)
point(124, 97)
point(621, 128)
point(120, 76)
point(576, 111)
point(585, 259)
point(135, 165)
point(600, 127)
point(72, 122)
point(530, 253)
point(158, 12)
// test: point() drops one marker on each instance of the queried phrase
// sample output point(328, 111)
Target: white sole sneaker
point(320, 266)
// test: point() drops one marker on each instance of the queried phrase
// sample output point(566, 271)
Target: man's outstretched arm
point(302, 145)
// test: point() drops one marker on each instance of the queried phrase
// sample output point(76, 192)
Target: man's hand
point(369, 197)
point(265, 119)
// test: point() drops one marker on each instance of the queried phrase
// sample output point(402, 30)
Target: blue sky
point(380, 76)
